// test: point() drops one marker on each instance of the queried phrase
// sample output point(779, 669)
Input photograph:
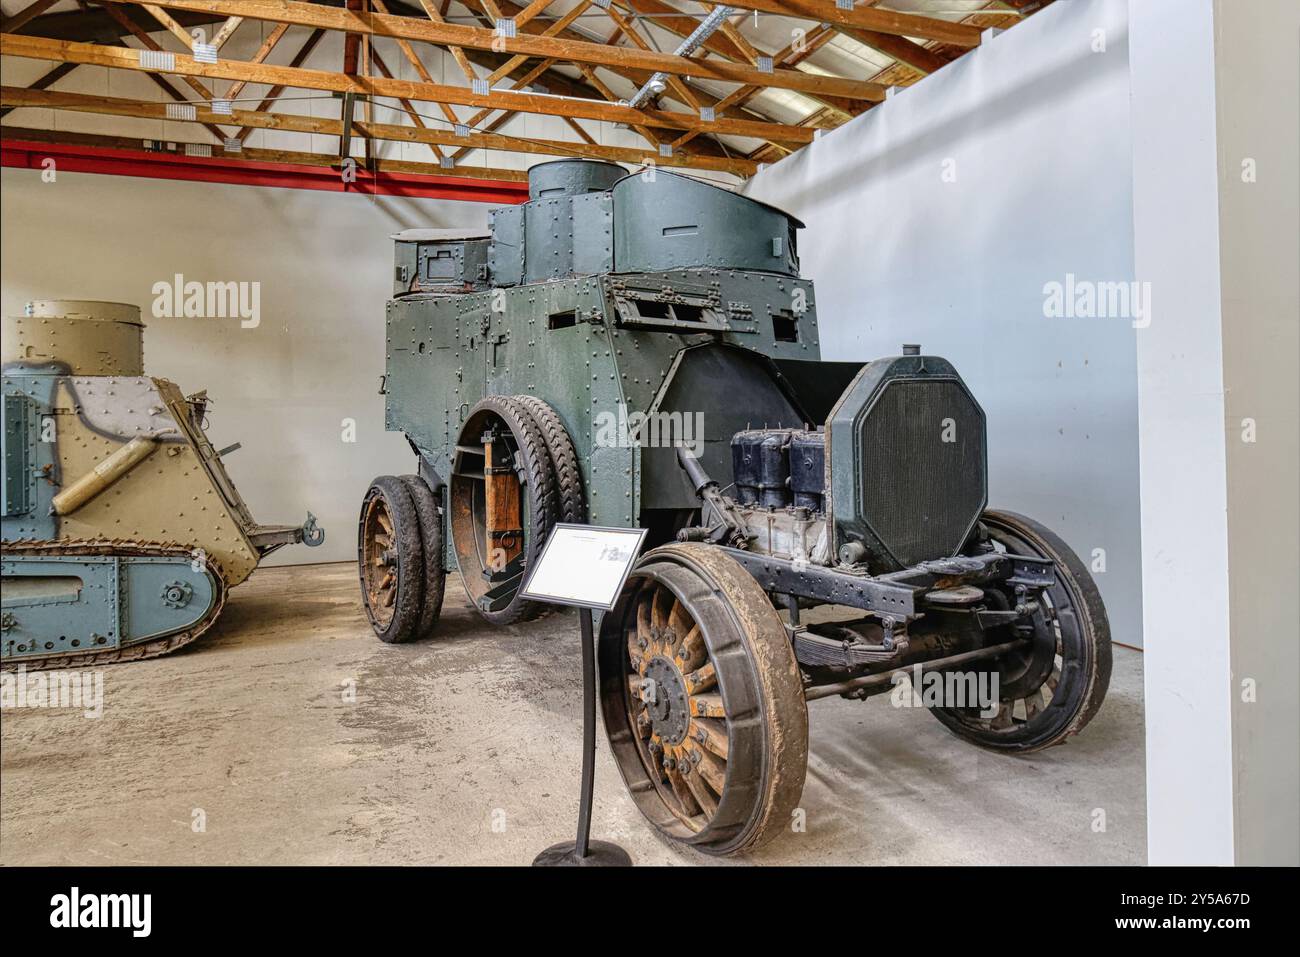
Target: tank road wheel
point(504, 503)
point(702, 700)
point(389, 559)
point(428, 511)
point(1050, 691)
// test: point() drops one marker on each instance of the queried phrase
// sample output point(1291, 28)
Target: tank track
point(124, 549)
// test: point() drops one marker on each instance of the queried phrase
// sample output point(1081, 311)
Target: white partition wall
point(1188, 693)
point(1216, 85)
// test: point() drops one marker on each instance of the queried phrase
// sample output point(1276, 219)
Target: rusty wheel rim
point(738, 769)
point(379, 561)
point(469, 512)
point(675, 708)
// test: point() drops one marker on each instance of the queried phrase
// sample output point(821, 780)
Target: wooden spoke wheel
point(504, 502)
point(389, 559)
point(1054, 687)
point(703, 701)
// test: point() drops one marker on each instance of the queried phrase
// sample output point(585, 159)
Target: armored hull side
point(603, 350)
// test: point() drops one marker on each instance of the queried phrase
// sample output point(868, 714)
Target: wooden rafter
point(905, 51)
point(673, 20)
point(227, 31)
point(352, 42)
point(908, 52)
point(696, 97)
point(161, 82)
point(559, 84)
point(175, 95)
point(418, 65)
point(438, 15)
point(45, 81)
point(644, 131)
point(637, 78)
point(492, 126)
point(630, 31)
point(268, 156)
point(792, 54)
point(269, 44)
point(274, 92)
point(902, 73)
point(559, 26)
point(555, 82)
point(94, 23)
point(655, 10)
point(410, 109)
point(15, 97)
point(504, 115)
point(126, 59)
point(25, 15)
point(575, 51)
point(519, 84)
point(147, 42)
point(582, 134)
point(174, 28)
point(866, 18)
point(530, 11)
point(506, 68)
point(747, 49)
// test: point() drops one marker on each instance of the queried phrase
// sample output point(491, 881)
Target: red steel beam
point(75, 158)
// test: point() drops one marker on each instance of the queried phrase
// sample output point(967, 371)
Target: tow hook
point(312, 534)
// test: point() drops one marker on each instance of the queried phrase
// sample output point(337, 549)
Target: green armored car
point(640, 350)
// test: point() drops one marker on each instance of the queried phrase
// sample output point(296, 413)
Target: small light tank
point(121, 531)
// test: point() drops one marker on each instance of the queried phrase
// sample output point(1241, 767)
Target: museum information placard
point(584, 565)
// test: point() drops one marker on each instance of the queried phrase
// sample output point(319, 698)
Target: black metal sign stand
point(584, 852)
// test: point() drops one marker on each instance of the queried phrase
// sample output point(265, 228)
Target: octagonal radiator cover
point(908, 462)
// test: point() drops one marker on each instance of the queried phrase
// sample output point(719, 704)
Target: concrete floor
point(465, 750)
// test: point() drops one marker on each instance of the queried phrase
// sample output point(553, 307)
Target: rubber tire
point(1089, 677)
point(410, 566)
point(429, 513)
point(564, 459)
point(756, 632)
point(541, 501)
